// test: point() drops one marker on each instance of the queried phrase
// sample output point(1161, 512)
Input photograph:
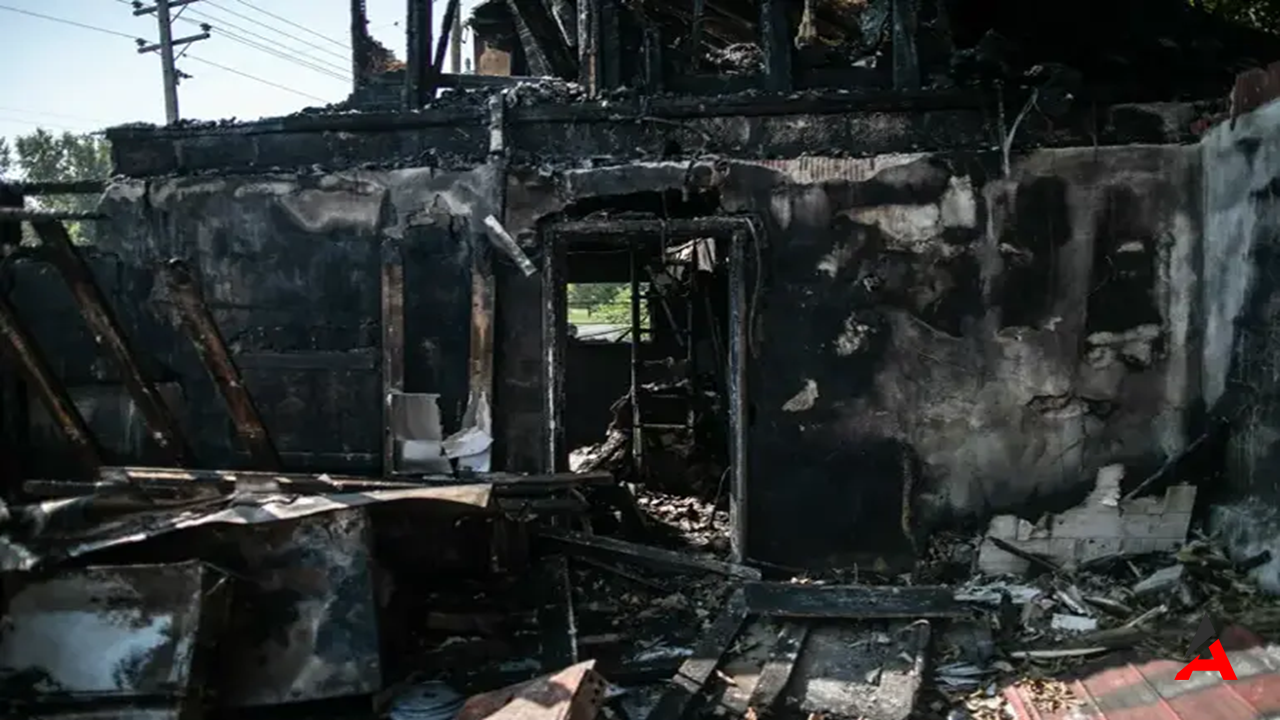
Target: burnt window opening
point(601, 312)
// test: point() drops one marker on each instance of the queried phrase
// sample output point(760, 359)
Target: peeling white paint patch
point(126, 190)
point(855, 336)
point(780, 208)
point(803, 400)
point(958, 207)
point(834, 261)
point(167, 192)
point(908, 226)
point(322, 211)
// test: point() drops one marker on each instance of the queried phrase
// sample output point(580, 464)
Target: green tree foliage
point(43, 156)
point(592, 296)
point(1259, 14)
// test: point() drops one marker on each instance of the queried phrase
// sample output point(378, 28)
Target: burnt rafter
point(544, 43)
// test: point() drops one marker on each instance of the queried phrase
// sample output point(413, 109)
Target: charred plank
point(106, 330)
point(850, 601)
point(776, 672)
point(556, 622)
point(650, 555)
point(26, 355)
point(392, 293)
point(212, 349)
point(697, 670)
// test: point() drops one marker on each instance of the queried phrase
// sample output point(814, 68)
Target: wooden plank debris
point(776, 672)
point(651, 555)
point(557, 625)
point(698, 669)
point(850, 601)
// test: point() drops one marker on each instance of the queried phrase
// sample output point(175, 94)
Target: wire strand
point(64, 21)
point(242, 16)
point(289, 22)
point(311, 63)
point(243, 74)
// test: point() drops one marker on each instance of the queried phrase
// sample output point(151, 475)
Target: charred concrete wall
point(970, 342)
point(1242, 228)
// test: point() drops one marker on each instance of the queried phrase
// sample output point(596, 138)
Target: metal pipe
point(203, 331)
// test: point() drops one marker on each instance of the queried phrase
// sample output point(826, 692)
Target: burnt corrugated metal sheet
point(128, 634)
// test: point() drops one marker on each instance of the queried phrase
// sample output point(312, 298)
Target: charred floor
point(853, 358)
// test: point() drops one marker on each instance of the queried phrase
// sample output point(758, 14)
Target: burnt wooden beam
point(106, 330)
point(24, 353)
point(417, 68)
point(695, 672)
point(68, 187)
point(850, 601)
point(610, 47)
point(392, 321)
point(906, 60)
point(442, 45)
point(18, 213)
point(693, 48)
point(677, 229)
point(589, 74)
point(544, 43)
point(653, 67)
point(202, 329)
point(557, 625)
point(650, 555)
point(775, 41)
point(777, 669)
point(737, 390)
point(567, 18)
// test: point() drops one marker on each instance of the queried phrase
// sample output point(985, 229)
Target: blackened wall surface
point(929, 337)
point(1241, 262)
point(290, 268)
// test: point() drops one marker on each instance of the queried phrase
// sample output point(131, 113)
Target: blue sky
point(63, 77)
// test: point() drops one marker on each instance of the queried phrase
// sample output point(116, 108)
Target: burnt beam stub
point(696, 672)
point(589, 46)
point(681, 229)
point(212, 349)
point(24, 353)
point(437, 64)
point(418, 32)
point(107, 332)
point(792, 600)
point(906, 59)
point(392, 321)
point(775, 40)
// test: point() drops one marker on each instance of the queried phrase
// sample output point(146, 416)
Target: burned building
point(892, 266)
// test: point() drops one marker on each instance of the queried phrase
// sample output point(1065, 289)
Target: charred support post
point(567, 19)
point(589, 45)
point(107, 332)
point(693, 51)
point(554, 321)
point(437, 65)
point(637, 425)
point(39, 376)
point(610, 45)
point(653, 74)
point(203, 331)
point(418, 31)
point(775, 40)
point(737, 387)
point(906, 63)
point(392, 290)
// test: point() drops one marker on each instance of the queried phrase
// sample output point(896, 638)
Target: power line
point(311, 63)
point(289, 22)
point(44, 125)
point(256, 78)
point(259, 23)
point(64, 21)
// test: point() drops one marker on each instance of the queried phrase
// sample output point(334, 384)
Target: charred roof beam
point(544, 42)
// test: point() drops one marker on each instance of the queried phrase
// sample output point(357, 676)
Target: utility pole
point(166, 46)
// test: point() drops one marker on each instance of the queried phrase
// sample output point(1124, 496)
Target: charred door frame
point(737, 231)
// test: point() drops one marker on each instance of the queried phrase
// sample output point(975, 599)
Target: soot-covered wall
point(930, 338)
point(289, 265)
